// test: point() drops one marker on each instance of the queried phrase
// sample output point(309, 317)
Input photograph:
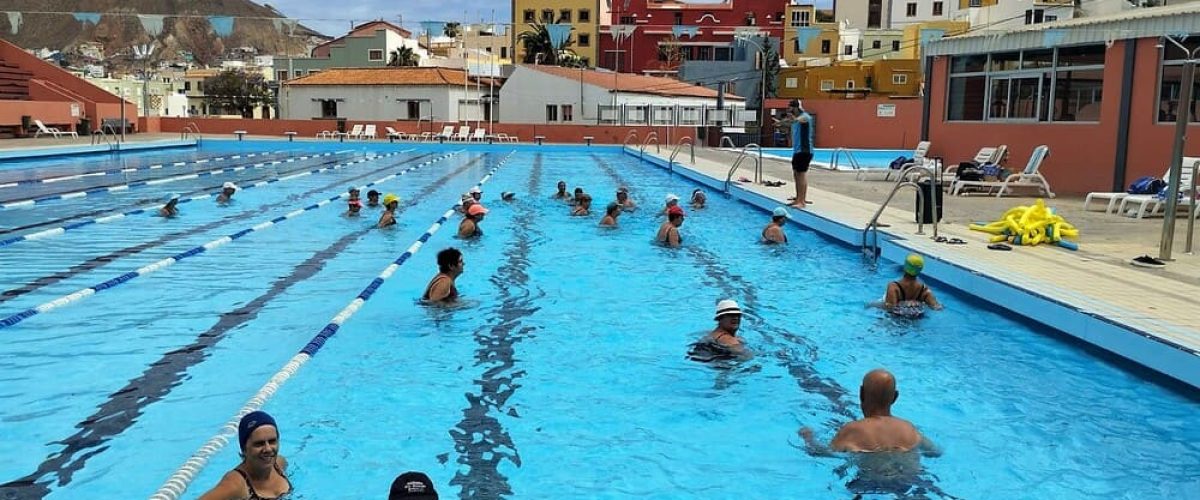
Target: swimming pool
point(562, 375)
point(867, 158)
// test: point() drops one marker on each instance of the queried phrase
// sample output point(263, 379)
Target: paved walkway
point(1097, 279)
point(50, 142)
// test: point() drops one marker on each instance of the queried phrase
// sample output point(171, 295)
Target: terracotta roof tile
point(385, 76)
point(630, 82)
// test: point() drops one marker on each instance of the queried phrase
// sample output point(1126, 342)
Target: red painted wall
point(1151, 144)
point(855, 123)
point(97, 102)
point(53, 114)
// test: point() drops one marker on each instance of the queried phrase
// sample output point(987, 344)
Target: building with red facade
point(667, 32)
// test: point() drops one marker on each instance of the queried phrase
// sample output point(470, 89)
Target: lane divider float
point(130, 170)
point(178, 482)
point(55, 231)
point(159, 265)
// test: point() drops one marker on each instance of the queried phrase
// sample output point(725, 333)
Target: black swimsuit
point(254, 494)
point(904, 297)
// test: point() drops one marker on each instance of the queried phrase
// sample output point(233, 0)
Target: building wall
point(868, 52)
point(1150, 142)
point(598, 11)
point(132, 90)
point(853, 13)
point(351, 52)
point(805, 83)
point(924, 12)
point(857, 124)
point(811, 54)
point(910, 46)
point(376, 102)
point(743, 74)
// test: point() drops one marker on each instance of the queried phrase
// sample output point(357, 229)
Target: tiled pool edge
point(70, 150)
point(1129, 342)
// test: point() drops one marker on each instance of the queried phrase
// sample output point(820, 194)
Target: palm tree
point(403, 57)
point(451, 30)
point(537, 41)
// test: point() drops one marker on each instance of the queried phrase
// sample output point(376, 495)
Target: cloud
point(335, 19)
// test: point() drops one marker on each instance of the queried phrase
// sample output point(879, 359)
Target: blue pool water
point(867, 158)
point(562, 375)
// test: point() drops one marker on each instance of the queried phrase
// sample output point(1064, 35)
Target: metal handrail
point(728, 139)
point(652, 136)
point(873, 224)
point(837, 153)
point(742, 157)
point(631, 135)
point(1192, 209)
point(99, 135)
point(678, 146)
point(191, 128)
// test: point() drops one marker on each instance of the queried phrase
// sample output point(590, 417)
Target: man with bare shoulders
point(878, 430)
point(441, 288)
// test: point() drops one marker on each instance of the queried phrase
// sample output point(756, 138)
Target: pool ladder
point(872, 229)
point(678, 147)
point(652, 136)
point(742, 157)
point(850, 159)
point(188, 130)
point(631, 135)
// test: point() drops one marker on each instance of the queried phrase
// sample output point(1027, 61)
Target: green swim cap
point(913, 264)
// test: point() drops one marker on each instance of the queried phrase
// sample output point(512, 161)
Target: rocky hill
point(49, 24)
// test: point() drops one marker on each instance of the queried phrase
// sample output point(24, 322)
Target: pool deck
point(1096, 281)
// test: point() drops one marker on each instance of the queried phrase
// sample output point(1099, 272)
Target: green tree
point(236, 90)
point(538, 49)
point(771, 59)
point(404, 57)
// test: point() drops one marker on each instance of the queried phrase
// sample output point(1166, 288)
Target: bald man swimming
point(878, 430)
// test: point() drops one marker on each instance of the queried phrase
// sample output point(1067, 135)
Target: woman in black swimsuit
point(262, 473)
point(908, 291)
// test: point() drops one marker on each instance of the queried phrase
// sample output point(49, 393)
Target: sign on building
point(885, 111)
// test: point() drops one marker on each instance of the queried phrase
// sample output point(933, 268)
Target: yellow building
point(910, 44)
point(848, 80)
point(585, 17)
point(821, 49)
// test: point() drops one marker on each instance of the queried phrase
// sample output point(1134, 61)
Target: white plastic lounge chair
point(479, 135)
point(463, 134)
point(1151, 204)
point(984, 156)
point(885, 174)
point(502, 137)
point(391, 132)
point(368, 132)
point(1030, 177)
point(43, 129)
point(447, 133)
point(354, 132)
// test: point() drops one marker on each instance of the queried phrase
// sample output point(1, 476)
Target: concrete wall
point(376, 102)
point(97, 103)
point(53, 114)
point(855, 124)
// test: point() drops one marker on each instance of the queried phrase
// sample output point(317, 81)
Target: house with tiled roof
point(388, 93)
point(554, 94)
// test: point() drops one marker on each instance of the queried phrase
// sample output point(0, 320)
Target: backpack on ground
point(899, 163)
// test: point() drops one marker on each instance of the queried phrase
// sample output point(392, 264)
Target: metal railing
point(678, 147)
point(837, 154)
point(631, 135)
point(725, 139)
point(873, 224)
point(101, 136)
point(188, 130)
point(652, 136)
point(742, 157)
point(1192, 206)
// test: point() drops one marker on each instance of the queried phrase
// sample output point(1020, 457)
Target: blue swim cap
point(252, 421)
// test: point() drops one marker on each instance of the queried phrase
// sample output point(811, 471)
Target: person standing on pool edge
point(262, 473)
point(803, 128)
point(450, 266)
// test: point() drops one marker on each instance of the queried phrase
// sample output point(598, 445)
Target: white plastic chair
point(464, 133)
point(368, 132)
point(43, 129)
point(479, 135)
point(1030, 177)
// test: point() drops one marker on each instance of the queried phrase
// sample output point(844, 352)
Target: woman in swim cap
point(773, 233)
point(388, 217)
point(469, 227)
point(908, 292)
point(668, 232)
point(262, 475)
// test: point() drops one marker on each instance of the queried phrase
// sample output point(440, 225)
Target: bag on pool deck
point(991, 171)
point(1146, 185)
point(898, 163)
point(968, 171)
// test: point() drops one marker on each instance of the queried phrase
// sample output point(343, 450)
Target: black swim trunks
point(800, 161)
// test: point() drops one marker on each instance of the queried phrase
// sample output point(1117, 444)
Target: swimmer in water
point(583, 205)
point(372, 198)
point(668, 232)
point(227, 191)
point(773, 233)
point(671, 201)
point(508, 196)
point(263, 471)
point(441, 288)
point(388, 217)
point(610, 215)
point(469, 227)
point(170, 209)
point(624, 201)
point(878, 430)
point(353, 208)
point(908, 291)
point(464, 203)
point(476, 194)
point(722, 342)
point(574, 200)
point(354, 192)
point(562, 193)
point(699, 199)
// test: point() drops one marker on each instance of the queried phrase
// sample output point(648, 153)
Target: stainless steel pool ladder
point(652, 136)
point(742, 157)
point(101, 136)
point(873, 225)
point(725, 139)
point(188, 130)
point(837, 154)
point(679, 146)
point(631, 135)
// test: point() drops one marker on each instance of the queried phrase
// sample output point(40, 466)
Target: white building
point(553, 94)
point(905, 12)
point(386, 94)
point(1010, 14)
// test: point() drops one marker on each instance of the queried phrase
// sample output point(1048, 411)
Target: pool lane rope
point(179, 481)
point(55, 231)
point(152, 182)
point(194, 251)
point(129, 170)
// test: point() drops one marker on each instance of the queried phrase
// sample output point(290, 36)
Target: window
point(1172, 84)
point(1077, 95)
point(1035, 16)
point(547, 16)
point(703, 53)
point(848, 50)
point(895, 45)
point(899, 79)
point(279, 75)
point(298, 73)
point(722, 54)
point(187, 86)
point(1050, 18)
point(966, 97)
point(937, 8)
point(567, 113)
point(875, 44)
point(375, 55)
point(826, 85)
point(974, 3)
point(850, 84)
point(679, 19)
point(790, 83)
point(750, 21)
point(825, 46)
point(1064, 84)
point(585, 16)
point(530, 16)
point(504, 52)
point(564, 16)
point(329, 108)
point(200, 85)
point(585, 39)
point(627, 20)
point(551, 113)
point(910, 10)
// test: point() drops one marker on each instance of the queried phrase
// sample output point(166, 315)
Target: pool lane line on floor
point(97, 262)
point(179, 480)
point(129, 170)
point(47, 233)
point(194, 251)
point(113, 188)
point(480, 439)
point(124, 406)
